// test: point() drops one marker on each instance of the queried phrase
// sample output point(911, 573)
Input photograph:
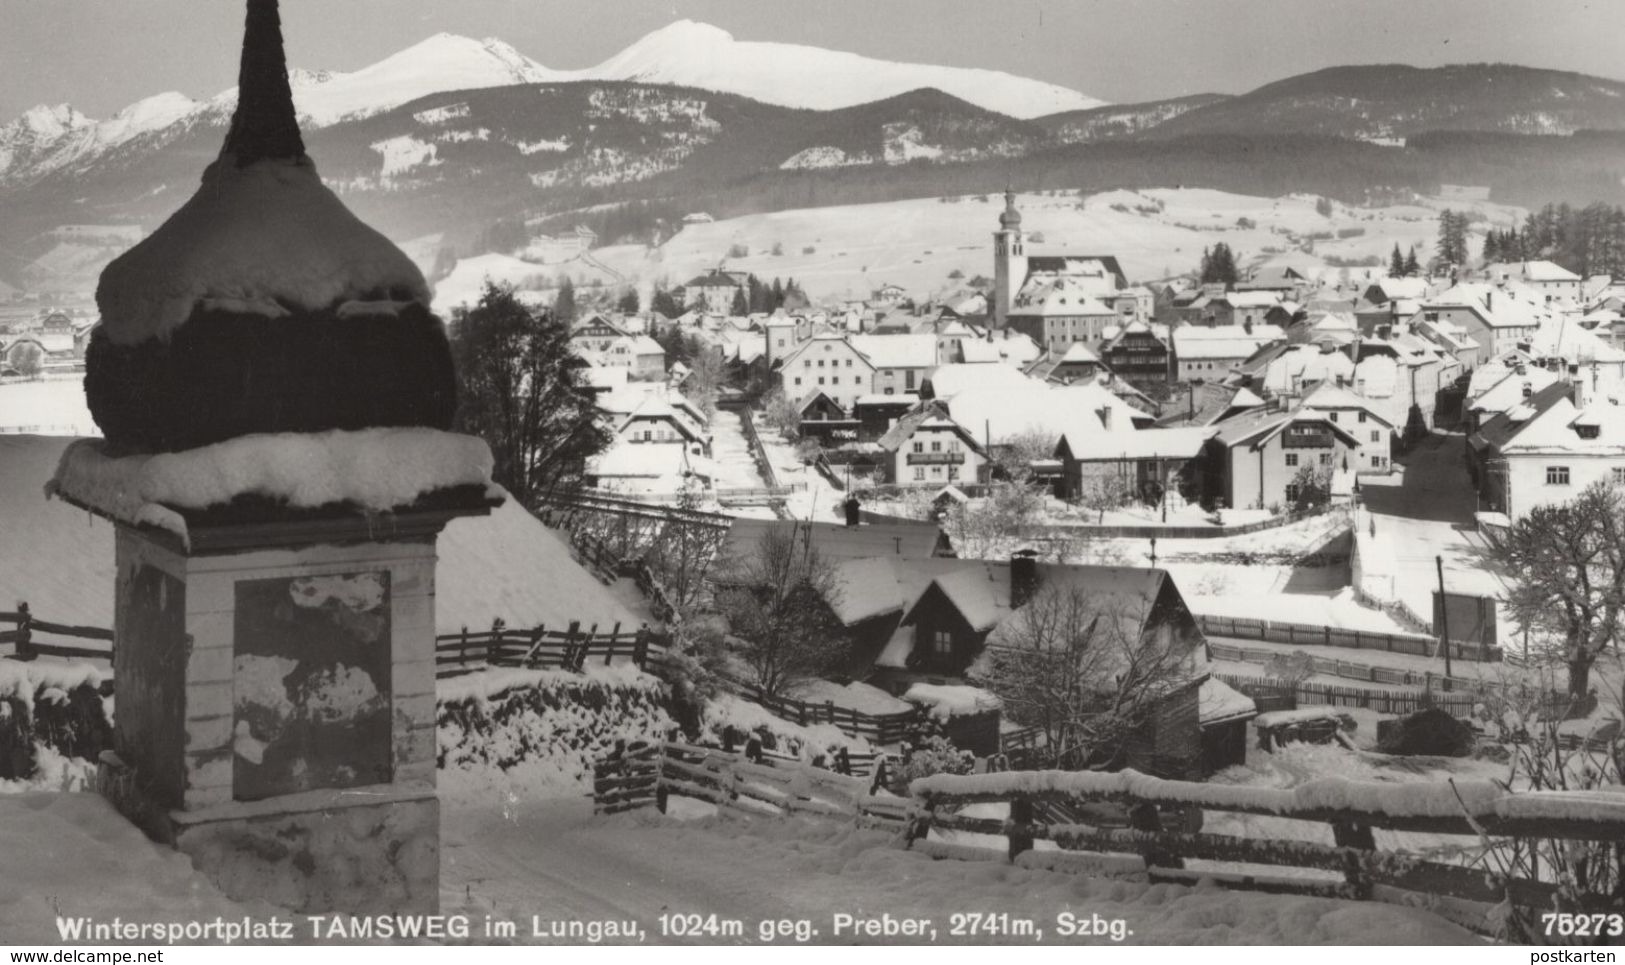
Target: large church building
point(1058, 299)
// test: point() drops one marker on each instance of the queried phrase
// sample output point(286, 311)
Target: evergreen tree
point(564, 303)
point(662, 303)
point(520, 389)
point(740, 306)
point(778, 295)
point(628, 303)
point(1396, 263)
point(1411, 265)
point(1452, 244)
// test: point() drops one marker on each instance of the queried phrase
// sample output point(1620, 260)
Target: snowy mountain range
point(685, 53)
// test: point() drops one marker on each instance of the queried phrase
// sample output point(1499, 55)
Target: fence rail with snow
point(539, 647)
point(1382, 701)
point(646, 775)
point(1305, 634)
point(905, 725)
point(25, 638)
point(1352, 867)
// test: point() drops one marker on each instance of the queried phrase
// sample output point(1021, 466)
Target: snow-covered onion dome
point(263, 304)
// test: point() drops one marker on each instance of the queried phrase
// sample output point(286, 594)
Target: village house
point(876, 414)
point(1138, 352)
point(1357, 414)
point(1142, 465)
point(825, 420)
point(1240, 308)
point(1402, 377)
point(641, 356)
point(714, 291)
point(1556, 285)
point(1057, 293)
point(1290, 370)
point(1076, 364)
point(595, 333)
point(831, 363)
point(1207, 404)
point(1062, 312)
point(1003, 347)
point(1210, 352)
point(928, 448)
point(1491, 315)
point(1546, 450)
point(1253, 460)
point(901, 362)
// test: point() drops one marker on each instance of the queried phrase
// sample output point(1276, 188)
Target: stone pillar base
point(363, 850)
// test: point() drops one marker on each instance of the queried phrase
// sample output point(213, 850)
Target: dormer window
point(1588, 431)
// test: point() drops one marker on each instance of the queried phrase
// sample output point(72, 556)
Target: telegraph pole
point(1444, 617)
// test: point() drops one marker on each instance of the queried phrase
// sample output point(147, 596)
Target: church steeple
point(1010, 220)
point(265, 125)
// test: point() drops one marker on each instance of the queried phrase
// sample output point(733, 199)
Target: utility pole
point(1444, 618)
point(1153, 552)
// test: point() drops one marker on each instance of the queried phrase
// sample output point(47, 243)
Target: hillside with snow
point(691, 54)
point(851, 250)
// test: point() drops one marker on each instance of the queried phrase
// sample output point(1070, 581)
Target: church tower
point(1009, 262)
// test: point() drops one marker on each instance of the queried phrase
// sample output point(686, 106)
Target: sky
point(100, 55)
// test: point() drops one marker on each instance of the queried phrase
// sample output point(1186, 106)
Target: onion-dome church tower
point(263, 305)
point(1009, 261)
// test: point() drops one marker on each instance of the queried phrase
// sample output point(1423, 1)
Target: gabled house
point(1144, 463)
point(902, 362)
point(1253, 460)
point(1076, 364)
point(1361, 418)
point(1210, 352)
point(641, 356)
point(824, 419)
point(829, 362)
point(596, 332)
point(1546, 450)
point(1138, 352)
point(1558, 286)
point(928, 448)
point(1494, 316)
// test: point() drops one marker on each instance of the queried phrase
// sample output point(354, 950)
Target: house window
point(848, 363)
point(936, 445)
point(942, 643)
point(1325, 459)
point(919, 446)
point(1557, 475)
point(1291, 460)
point(806, 363)
point(919, 474)
point(1362, 415)
point(820, 380)
point(953, 472)
point(820, 363)
point(1291, 492)
point(1332, 416)
point(1376, 436)
point(798, 380)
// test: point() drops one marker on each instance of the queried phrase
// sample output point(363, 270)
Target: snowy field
point(46, 407)
point(638, 866)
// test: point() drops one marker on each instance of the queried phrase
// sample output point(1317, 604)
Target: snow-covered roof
point(1201, 342)
point(1010, 348)
point(1558, 429)
point(948, 381)
point(863, 589)
point(1510, 389)
point(1218, 703)
point(1537, 271)
point(1100, 446)
point(898, 351)
point(1328, 396)
point(1001, 414)
point(379, 470)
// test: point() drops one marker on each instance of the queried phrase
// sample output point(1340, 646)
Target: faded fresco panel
point(312, 681)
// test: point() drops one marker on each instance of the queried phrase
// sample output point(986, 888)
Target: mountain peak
point(692, 54)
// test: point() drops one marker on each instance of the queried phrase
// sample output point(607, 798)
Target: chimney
point(1023, 577)
point(1105, 413)
point(1489, 301)
point(852, 517)
point(1247, 326)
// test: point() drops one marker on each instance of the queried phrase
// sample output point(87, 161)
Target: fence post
point(640, 647)
point(574, 653)
point(1143, 816)
point(1021, 819)
point(25, 633)
point(1356, 837)
point(493, 645)
point(614, 638)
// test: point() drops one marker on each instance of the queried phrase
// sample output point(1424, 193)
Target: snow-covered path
point(557, 861)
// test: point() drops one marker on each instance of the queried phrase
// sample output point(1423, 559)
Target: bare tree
point(780, 413)
point(1086, 672)
point(1568, 565)
point(705, 381)
point(1104, 491)
point(1014, 456)
point(778, 598)
point(682, 551)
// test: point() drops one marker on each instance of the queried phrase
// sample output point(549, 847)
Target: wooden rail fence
point(571, 648)
point(909, 725)
point(1304, 634)
point(1381, 701)
point(1354, 867)
point(25, 638)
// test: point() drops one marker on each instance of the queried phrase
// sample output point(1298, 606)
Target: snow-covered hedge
point(50, 709)
point(537, 732)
